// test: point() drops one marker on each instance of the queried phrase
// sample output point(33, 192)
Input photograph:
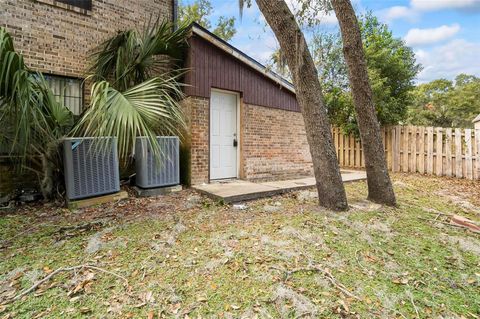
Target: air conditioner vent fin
point(90, 169)
point(152, 173)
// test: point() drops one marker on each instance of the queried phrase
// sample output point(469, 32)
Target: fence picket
point(448, 152)
point(358, 158)
point(341, 157)
point(413, 149)
point(439, 152)
point(421, 150)
point(429, 150)
point(468, 154)
point(405, 149)
point(477, 159)
point(458, 153)
point(396, 154)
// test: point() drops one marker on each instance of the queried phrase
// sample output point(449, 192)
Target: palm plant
point(132, 95)
point(31, 120)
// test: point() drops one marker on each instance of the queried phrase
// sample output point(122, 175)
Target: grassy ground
point(185, 256)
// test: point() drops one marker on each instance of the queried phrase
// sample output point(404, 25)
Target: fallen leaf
point(150, 314)
point(85, 310)
point(47, 270)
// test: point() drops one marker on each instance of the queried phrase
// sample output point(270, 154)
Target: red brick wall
point(56, 38)
point(273, 143)
point(197, 113)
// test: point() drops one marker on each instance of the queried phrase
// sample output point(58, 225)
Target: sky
point(444, 34)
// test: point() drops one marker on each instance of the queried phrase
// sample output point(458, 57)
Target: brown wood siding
point(210, 67)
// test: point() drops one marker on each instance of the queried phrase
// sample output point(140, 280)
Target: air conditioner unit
point(91, 168)
point(157, 173)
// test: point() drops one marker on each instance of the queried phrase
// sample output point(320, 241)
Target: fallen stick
point(59, 270)
point(413, 303)
point(327, 275)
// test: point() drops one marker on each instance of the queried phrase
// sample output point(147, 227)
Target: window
point(83, 4)
point(68, 91)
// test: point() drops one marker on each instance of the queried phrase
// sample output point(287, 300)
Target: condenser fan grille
point(157, 173)
point(91, 170)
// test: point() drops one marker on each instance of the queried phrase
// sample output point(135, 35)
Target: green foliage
point(446, 103)
point(31, 120)
point(132, 95)
point(225, 28)
point(147, 109)
point(200, 12)
point(133, 56)
point(391, 67)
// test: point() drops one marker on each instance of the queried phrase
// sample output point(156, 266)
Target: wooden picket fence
point(437, 151)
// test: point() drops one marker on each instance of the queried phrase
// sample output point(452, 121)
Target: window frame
point(67, 6)
point(67, 78)
point(78, 4)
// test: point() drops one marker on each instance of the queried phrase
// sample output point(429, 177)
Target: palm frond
point(29, 113)
point(133, 56)
point(147, 109)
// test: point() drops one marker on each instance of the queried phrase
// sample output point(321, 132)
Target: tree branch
point(59, 270)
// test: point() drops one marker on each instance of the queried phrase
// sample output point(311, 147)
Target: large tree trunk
point(331, 193)
point(380, 188)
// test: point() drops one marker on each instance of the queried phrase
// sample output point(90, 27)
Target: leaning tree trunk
point(380, 188)
point(331, 193)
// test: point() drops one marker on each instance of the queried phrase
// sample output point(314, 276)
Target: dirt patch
point(461, 201)
point(288, 300)
point(365, 205)
point(303, 235)
point(466, 244)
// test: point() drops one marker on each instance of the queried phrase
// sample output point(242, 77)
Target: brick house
point(56, 36)
point(244, 120)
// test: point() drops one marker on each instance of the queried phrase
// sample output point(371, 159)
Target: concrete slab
point(233, 191)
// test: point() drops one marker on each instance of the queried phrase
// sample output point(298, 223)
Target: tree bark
point(380, 188)
point(331, 192)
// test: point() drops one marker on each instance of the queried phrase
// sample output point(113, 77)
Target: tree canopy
point(446, 103)
point(392, 69)
point(200, 12)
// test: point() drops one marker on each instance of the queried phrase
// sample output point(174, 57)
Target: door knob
point(235, 143)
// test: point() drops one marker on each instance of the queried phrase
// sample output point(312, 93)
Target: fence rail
point(428, 150)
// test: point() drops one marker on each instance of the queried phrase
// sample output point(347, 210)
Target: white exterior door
point(223, 135)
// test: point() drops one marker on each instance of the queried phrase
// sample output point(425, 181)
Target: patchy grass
point(184, 255)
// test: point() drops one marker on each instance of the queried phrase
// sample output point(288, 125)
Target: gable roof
point(241, 56)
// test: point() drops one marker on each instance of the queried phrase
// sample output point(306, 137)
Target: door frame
point(239, 142)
